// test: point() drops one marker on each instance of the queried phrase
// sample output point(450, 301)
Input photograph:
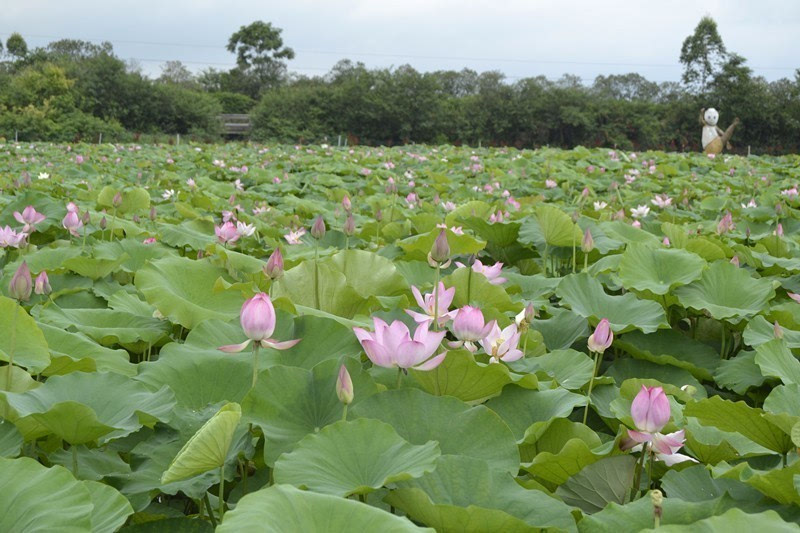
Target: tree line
point(72, 90)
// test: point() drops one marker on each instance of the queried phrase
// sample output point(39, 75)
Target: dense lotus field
point(285, 338)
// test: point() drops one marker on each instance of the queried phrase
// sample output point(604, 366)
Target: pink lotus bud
point(149, 240)
point(274, 267)
point(117, 200)
point(666, 242)
point(588, 243)
point(21, 284)
point(258, 317)
point(440, 251)
point(650, 409)
point(735, 260)
point(86, 218)
point(585, 192)
point(344, 386)
point(777, 330)
point(318, 228)
point(72, 222)
point(136, 219)
point(349, 227)
point(469, 324)
point(103, 223)
point(346, 203)
point(779, 230)
point(602, 337)
point(378, 215)
point(42, 284)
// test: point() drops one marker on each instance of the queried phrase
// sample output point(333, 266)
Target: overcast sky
point(520, 38)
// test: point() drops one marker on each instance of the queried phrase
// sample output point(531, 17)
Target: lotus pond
point(285, 338)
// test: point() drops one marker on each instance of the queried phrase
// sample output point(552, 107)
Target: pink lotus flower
point(21, 285)
point(790, 193)
point(726, 223)
point(469, 324)
point(793, 296)
point(30, 218)
point(149, 240)
point(492, 273)
point(661, 200)
point(502, 344)
point(651, 412)
point(72, 222)
point(227, 233)
point(392, 346)
point(9, 237)
point(274, 267)
point(550, 184)
point(427, 303)
point(293, 237)
point(346, 203)
point(258, 322)
point(601, 339)
point(42, 284)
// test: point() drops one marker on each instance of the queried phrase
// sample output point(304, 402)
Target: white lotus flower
point(640, 211)
point(169, 193)
point(599, 206)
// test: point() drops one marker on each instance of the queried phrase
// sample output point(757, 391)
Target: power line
point(414, 56)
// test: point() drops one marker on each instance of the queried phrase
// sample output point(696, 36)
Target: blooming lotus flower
point(666, 242)
point(167, 194)
point(793, 296)
point(30, 218)
point(293, 237)
point(449, 206)
point(21, 285)
point(42, 284)
point(550, 184)
point(492, 273)
point(664, 447)
point(149, 240)
point(469, 324)
point(344, 386)
point(601, 339)
point(525, 316)
point(748, 205)
point(726, 223)
point(245, 230)
point(650, 411)
point(226, 233)
point(735, 261)
point(599, 206)
point(191, 183)
point(640, 211)
point(661, 200)
point(427, 304)
point(72, 222)
point(392, 346)
point(43, 176)
point(790, 193)
point(502, 344)
point(257, 318)
point(9, 237)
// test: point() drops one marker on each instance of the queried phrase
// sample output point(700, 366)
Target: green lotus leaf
point(727, 292)
point(73, 352)
point(136, 251)
point(736, 519)
point(695, 484)
point(740, 373)
point(182, 290)
point(37, 498)
point(562, 329)
point(133, 200)
point(418, 246)
point(10, 439)
point(335, 295)
point(563, 450)
point(283, 508)
point(529, 412)
point(586, 297)
point(740, 417)
point(21, 338)
point(776, 360)
point(571, 369)
point(106, 326)
point(458, 428)
point(82, 408)
point(208, 448)
point(289, 403)
point(473, 288)
point(777, 484)
point(669, 347)
point(759, 331)
point(92, 267)
point(466, 494)
point(608, 480)
point(368, 273)
point(93, 463)
point(196, 234)
point(658, 270)
point(355, 457)
point(110, 508)
point(461, 376)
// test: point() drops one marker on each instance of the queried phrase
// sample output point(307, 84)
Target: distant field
point(489, 339)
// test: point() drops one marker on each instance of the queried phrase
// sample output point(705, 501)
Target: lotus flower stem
point(316, 274)
point(399, 377)
point(245, 468)
point(255, 363)
point(585, 261)
point(221, 491)
point(591, 385)
point(344, 412)
point(637, 476)
point(649, 469)
point(10, 369)
point(544, 259)
point(722, 345)
point(469, 285)
point(574, 257)
point(210, 511)
point(436, 298)
point(113, 222)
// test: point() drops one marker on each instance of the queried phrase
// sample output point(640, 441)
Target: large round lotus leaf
point(563, 450)
point(50, 259)
point(321, 339)
point(21, 338)
point(608, 480)
point(183, 291)
point(571, 369)
point(283, 508)
point(737, 520)
point(335, 295)
point(110, 508)
point(473, 288)
point(92, 267)
point(528, 412)
point(196, 234)
point(289, 403)
point(466, 494)
point(199, 378)
point(106, 326)
point(460, 429)
point(726, 291)
point(562, 329)
point(419, 246)
point(73, 352)
point(368, 273)
point(669, 347)
point(759, 330)
point(133, 200)
point(355, 457)
point(82, 407)
point(658, 270)
point(550, 226)
point(136, 251)
point(208, 448)
point(586, 297)
point(776, 360)
point(10, 439)
point(461, 376)
point(36, 498)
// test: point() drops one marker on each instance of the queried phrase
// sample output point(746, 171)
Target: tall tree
point(260, 53)
point(16, 46)
point(702, 54)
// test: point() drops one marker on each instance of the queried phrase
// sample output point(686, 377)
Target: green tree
point(260, 53)
point(702, 55)
point(16, 46)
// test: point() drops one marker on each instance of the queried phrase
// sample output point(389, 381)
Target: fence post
point(100, 140)
point(339, 142)
point(748, 150)
point(16, 136)
point(178, 142)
